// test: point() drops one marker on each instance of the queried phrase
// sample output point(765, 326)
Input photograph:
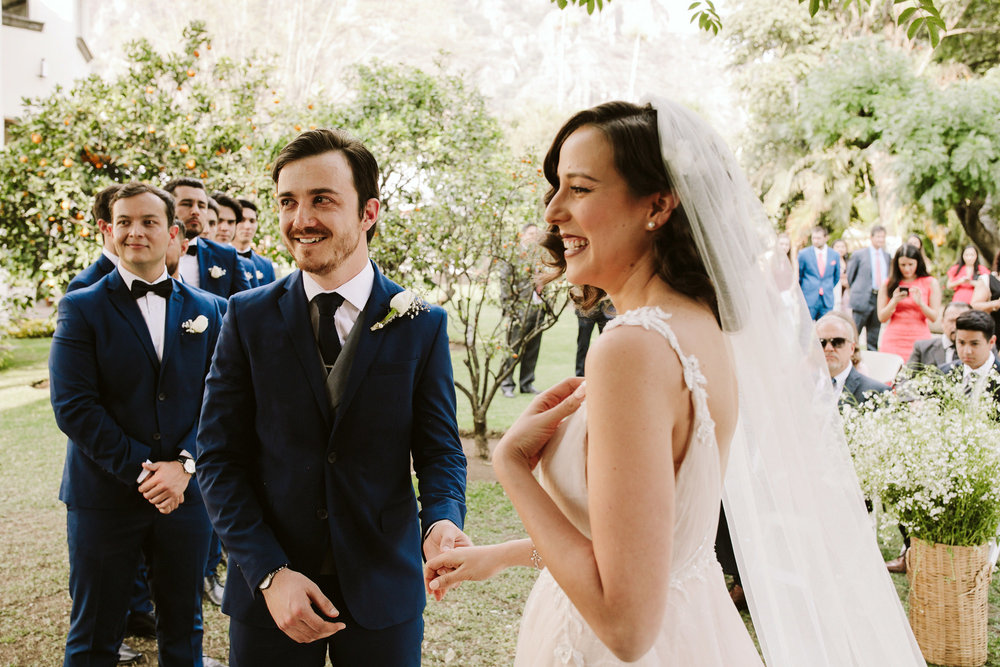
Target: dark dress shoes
point(897, 565)
point(129, 656)
point(141, 624)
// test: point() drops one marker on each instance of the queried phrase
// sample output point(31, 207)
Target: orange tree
point(185, 113)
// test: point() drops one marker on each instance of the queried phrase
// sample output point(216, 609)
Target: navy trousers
point(106, 547)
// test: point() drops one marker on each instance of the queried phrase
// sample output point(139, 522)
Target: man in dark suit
point(230, 216)
point(939, 350)
point(977, 366)
point(312, 416)
point(127, 369)
point(243, 242)
point(207, 265)
point(819, 273)
point(838, 338)
point(866, 272)
point(106, 263)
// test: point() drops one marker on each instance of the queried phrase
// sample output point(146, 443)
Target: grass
point(475, 626)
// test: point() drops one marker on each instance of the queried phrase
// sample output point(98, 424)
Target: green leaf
point(813, 7)
point(905, 15)
point(933, 29)
point(914, 28)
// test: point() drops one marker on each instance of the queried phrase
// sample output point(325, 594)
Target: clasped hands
point(164, 487)
point(521, 445)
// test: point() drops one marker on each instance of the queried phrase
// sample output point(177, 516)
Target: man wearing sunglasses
point(838, 338)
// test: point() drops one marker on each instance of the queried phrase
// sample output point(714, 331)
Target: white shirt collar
point(841, 377)
point(130, 277)
point(946, 342)
point(355, 291)
point(982, 370)
point(110, 255)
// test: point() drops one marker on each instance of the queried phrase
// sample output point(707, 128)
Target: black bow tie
point(192, 250)
point(246, 254)
point(140, 289)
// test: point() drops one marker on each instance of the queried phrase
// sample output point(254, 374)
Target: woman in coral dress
point(908, 303)
point(964, 274)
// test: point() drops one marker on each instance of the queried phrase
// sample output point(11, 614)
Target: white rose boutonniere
point(403, 303)
point(248, 276)
point(216, 272)
point(196, 326)
point(260, 275)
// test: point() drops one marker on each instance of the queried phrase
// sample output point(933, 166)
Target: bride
point(706, 374)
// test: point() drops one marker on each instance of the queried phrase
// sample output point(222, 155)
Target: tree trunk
point(479, 431)
point(983, 232)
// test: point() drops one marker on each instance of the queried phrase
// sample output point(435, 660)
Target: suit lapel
point(173, 321)
point(122, 300)
point(203, 257)
point(295, 312)
point(368, 341)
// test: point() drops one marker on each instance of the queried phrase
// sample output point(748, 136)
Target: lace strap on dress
point(653, 318)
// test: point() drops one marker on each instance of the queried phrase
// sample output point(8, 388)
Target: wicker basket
point(948, 601)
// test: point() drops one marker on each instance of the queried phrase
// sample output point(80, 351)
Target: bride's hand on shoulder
point(450, 568)
point(526, 437)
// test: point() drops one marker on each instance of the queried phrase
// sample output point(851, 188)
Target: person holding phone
point(908, 303)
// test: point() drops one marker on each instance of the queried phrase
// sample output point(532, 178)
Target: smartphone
point(904, 291)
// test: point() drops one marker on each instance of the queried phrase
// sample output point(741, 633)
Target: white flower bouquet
point(931, 455)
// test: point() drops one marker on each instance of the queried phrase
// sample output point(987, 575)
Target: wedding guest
point(836, 337)
point(866, 272)
point(600, 315)
point(842, 292)
point(211, 220)
point(245, 231)
point(231, 215)
point(964, 273)
point(977, 366)
point(525, 310)
point(939, 350)
point(318, 514)
point(105, 264)
point(915, 241)
point(819, 274)
point(986, 296)
point(206, 264)
point(908, 302)
point(127, 392)
point(783, 264)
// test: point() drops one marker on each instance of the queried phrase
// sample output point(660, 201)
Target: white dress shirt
point(356, 293)
point(978, 376)
point(152, 306)
point(949, 349)
point(841, 378)
point(189, 266)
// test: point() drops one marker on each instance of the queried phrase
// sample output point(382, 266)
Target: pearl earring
point(650, 225)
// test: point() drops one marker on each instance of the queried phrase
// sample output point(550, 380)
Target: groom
point(310, 422)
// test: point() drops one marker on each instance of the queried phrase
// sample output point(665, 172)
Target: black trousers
point(520, 331)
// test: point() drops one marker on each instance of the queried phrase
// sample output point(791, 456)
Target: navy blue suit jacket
point(115, 401)
point(233, 278)
point(811, 282)
point(101, 267)
point(288, 478)
point(264, 268)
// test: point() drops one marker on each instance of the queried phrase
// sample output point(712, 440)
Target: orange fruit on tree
point(23, 159)
point(79, 216)
point(64, 205)
point(190, 163)
point(183, 148)
point(42, 162)
point(190, 72)
point(36, 138)
point(67, 163)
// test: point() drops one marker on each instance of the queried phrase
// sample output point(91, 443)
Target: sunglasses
point(836, 342)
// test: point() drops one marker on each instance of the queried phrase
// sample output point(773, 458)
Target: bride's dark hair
point(635, 142)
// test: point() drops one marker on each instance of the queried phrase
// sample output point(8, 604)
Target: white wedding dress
point(701, 625)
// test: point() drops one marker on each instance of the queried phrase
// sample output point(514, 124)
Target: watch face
point(189, 466)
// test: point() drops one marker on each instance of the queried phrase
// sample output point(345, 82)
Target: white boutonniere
point(195, 326)
point(216, 272)
point(403, 303)
point(260, 275)
point(248, 276)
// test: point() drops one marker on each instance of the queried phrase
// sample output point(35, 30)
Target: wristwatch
point(269, 577)
point(188, 464)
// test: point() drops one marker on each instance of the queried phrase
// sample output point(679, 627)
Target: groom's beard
point(330, 253)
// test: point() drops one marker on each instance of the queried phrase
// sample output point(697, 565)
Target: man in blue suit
point(867, 270)
point(312, 416)
point(106, 263)
point(207, 265)
point(243, 242)
point(127, 365)
point(819, 273)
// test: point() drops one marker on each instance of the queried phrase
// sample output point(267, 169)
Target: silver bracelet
point(536, 560)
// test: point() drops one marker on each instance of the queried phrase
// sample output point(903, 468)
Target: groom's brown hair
point(364, 167)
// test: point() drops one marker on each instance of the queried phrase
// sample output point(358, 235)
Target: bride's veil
point(817, 587)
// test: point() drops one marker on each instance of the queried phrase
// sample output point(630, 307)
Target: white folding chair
point(882, 366)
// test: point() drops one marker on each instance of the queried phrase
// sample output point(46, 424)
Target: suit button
point(321, 514)
point(331, 457)
point(156, 436)
point(162, 397)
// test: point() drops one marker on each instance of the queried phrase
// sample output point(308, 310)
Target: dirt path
point(478, 468)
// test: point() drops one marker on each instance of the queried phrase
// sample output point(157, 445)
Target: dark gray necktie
point(329, 343)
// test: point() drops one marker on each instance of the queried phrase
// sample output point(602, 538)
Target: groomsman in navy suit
point(230, 216)
point(127, 365)
point(106, 263)
point(207, 265)
point(311, 419)
point(243, 242)
point(819, 273)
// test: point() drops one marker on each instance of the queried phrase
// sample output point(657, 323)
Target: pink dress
point(908, 324)
point(964, 292)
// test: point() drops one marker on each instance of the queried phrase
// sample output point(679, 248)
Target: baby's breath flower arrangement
point(931, 455)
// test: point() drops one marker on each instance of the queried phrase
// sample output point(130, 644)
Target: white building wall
point(33, 62)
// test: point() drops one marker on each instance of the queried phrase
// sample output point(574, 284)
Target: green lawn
point(475, 626)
